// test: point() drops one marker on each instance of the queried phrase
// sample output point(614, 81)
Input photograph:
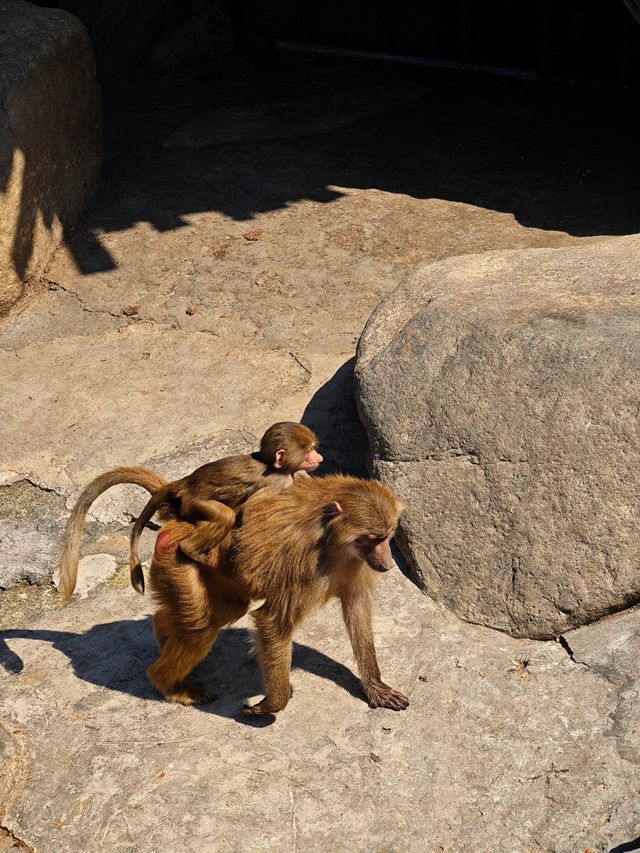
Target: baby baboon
point(322, 538)
point(214, 491)
point(210, 495)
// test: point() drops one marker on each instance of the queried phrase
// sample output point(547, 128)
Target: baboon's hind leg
point(179, 655)
point(274, 650)
point(162, 626)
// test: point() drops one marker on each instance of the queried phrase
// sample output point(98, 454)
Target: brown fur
point(317, 540)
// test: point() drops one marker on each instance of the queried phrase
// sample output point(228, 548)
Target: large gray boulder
point(501, 395)
point(50, 146)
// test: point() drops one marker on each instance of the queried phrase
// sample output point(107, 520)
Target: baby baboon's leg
point(274, 650)
point(220, 518)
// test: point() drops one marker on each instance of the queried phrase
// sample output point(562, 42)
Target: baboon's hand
point(382, 696)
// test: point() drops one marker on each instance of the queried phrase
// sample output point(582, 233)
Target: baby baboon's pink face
point(310, 461)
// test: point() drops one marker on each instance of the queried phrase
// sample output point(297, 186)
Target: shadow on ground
point(627, 847)
point(556, 158)
point(115, 655)
point(332, 414)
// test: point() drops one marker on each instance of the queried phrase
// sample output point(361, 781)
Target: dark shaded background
point(588, 40)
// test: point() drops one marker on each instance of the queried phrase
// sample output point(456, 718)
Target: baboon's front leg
point(274, 650)
point(357, 609)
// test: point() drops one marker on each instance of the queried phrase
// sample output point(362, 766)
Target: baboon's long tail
point(70, 553)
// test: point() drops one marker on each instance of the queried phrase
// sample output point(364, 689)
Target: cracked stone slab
point(25, 553)
point(55, 314)
point(612, 649)
point(500, 395)
point(505, 742)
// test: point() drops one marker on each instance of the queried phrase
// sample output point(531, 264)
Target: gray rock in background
point(25, 553)
point(501, 395)
point(50, 148)
point(161, 34)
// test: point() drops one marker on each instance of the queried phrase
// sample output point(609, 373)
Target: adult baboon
point(321, 538)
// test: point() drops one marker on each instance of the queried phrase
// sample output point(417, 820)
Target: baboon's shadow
point(116, 655)
point(627, 847)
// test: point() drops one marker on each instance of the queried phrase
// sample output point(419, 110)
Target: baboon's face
point(376, 551)
point(310, 461)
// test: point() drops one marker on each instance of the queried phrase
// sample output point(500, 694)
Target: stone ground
point(219, 282)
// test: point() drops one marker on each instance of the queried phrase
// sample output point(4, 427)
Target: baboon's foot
point(263, 707)
point(382, 696)
point(189, 692)
point(267, 706)
point(194, 552)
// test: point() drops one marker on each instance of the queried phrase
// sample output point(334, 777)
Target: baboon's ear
point(332, 510)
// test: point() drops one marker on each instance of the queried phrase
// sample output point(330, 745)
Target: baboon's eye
point(374, 539)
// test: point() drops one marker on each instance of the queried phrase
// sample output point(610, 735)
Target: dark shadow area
point(116, 655)
point(49, 136)
point(627, 847)
point(557, 158)
point(332, 414)
point(36, 205)
point(49, 144)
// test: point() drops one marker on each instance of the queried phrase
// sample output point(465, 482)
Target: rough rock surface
point(92, 570)
point(30, 523)
point(495, 753)
point(50, 147)
point(500, 393)
point(508, 745)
